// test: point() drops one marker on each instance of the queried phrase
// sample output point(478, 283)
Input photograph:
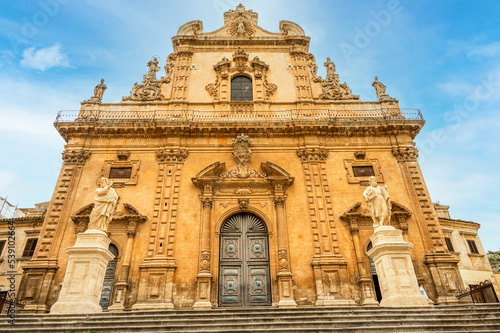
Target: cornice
point(346, 128)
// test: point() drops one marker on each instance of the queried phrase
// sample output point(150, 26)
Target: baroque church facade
point(240, 174)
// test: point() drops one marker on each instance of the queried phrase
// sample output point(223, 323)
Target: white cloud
point(45, 58)
point(489, 50)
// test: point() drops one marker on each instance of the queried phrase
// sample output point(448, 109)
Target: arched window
point(241, 89)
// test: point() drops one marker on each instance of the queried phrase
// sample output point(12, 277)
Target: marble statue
point(99, 90)
point(378, 201)
point(105, 203)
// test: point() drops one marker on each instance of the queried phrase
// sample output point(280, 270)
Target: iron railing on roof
point(228, 117)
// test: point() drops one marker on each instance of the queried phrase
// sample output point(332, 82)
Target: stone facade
point(26, 224)
point(292, 158)
point(464, 244)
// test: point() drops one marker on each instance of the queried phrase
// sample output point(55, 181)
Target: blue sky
point(440, 56)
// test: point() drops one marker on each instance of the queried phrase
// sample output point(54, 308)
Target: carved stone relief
point(242, 154)
point(150, 89)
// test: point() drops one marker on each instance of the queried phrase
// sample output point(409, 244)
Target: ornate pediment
point(243, 24)
point(361, 214)
point(225, 69)
point(291, 29)
point(127, 213)
point(213, 170)
point(242, 179)
point(191, 28)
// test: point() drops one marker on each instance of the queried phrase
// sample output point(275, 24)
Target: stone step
point(261, 314)
point(260, 317)
point(234, 325)
point(469, 318)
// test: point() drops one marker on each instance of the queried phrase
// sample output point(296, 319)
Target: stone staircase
point(459, 318)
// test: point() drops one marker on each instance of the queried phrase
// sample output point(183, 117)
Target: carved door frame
point(244, 253)
point(256, 193)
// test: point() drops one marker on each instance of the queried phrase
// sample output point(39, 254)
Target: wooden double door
point(244, 262)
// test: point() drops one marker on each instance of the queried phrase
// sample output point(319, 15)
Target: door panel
point(244, 262)
point(258, 285)
point(231, 285)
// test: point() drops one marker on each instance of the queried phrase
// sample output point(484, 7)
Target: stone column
point(204, 277)
point(365, 282)
point(121, 287)
point(82, 285)
point(284, 274)
point(391, 255)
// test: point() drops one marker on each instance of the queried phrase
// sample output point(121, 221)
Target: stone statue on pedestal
point(99, 90)
point(105, 203)
point(378, 201)
point(380, 90)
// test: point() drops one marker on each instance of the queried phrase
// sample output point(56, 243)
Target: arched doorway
point(244, 262)
point(109, 278)
point(374, 274)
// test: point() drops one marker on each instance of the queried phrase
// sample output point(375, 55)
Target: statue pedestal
point(82, 286)
point(398, 282)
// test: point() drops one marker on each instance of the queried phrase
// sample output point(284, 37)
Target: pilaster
point(155, 290)
point(442, 266)
point(36, 286)
point(329, 266)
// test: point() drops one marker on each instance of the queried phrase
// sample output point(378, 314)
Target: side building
point(240, 174)
point(27, 224)
point(463, 242)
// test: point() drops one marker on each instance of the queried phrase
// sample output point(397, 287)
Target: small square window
point(30, 247)
point(123, 173)
point(363, 171)
point(449, 244)
point(472, 246)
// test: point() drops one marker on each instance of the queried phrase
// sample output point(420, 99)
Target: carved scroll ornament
point(150, 89)
point(331, 87)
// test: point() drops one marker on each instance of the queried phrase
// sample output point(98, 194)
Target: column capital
point(409, 154)
point(206, 201)
point(171, 155)
point(75, 157)
point(312, 154)
point(279, 200)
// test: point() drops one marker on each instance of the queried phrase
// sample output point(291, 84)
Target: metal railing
point(229, 117)
point(479, 293)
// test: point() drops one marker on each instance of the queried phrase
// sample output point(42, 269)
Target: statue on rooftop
point(99, 90)
point(380, 90)
point(153, 68)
